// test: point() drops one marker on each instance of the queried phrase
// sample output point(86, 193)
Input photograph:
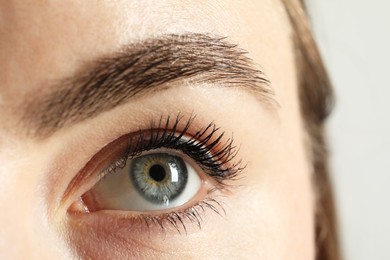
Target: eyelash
point(205, 147)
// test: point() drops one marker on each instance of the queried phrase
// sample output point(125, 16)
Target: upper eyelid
point(92, 168)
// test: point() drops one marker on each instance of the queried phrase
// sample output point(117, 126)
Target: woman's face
point(92, 167)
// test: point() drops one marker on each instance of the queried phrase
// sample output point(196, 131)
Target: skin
point(269, 213)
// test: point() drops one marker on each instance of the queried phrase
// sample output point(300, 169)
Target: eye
point(168, 174)
point(149, 182)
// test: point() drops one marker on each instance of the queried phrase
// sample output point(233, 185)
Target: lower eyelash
point(178, 220)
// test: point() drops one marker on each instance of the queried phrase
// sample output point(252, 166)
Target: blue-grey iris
point(159, 177)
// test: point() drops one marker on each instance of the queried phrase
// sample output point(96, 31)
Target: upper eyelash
point(204, 147)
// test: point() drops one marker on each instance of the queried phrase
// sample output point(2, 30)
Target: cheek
point(25, 232)
point(272, 213)
point(272, 223)
point(272, 216)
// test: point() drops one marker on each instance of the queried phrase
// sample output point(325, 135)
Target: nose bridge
point(16, 237)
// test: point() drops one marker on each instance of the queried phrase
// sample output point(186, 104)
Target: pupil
point(157, 172)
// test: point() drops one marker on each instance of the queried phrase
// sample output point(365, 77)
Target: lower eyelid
point(180, 220)
point(125, 237)
point(141, 226)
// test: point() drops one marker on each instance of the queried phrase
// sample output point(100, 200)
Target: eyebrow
point(139, 68)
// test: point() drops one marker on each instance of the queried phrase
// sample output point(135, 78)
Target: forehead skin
point(43, 41)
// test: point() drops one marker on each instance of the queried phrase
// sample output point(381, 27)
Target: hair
point(316, 102)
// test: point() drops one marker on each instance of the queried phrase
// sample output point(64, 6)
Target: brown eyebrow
point(144, 66)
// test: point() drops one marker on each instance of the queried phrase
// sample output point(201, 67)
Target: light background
point(354, 38)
